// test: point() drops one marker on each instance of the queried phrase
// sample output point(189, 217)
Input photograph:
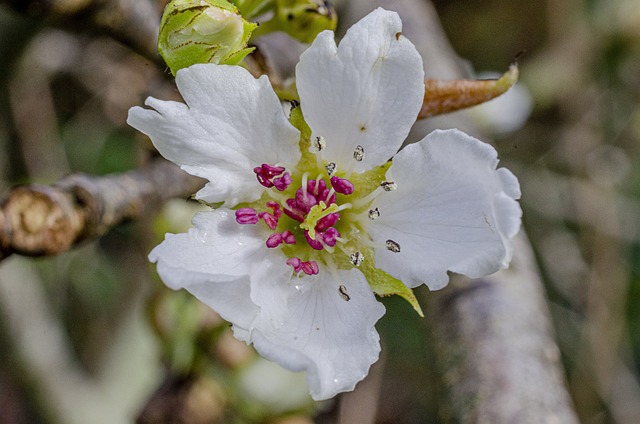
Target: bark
point(495, 345)
point(494, 340)
point(40, 220)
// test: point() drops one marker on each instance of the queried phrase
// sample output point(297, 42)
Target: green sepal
point(251, 9)
point(369, 180)
point(305, 19)
point(203, 31)
point(297, 120)
point(384, 284)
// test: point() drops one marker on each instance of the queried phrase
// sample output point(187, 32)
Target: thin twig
point(40, 220)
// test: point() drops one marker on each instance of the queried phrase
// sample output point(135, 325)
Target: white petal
point(213, 261)
point(231, 123)
point(366, 92)
point(306, 325)
point(452, 211)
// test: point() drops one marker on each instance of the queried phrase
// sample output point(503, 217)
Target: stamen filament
point(305, 177)
point(368, 198)
point(332, 191)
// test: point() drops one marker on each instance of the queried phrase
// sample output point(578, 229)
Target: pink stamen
point(270, 220)
point(265, 173)
point(296, 263)
point(293, 212)
point(308, 267)
point(274, 240)
point(342, 185)
point(275, 206)
point(271, 170)
point(288, 237)
point(316, 186)
point(314, 243)
point(246, 216)
point(264, 181)
point(305, 203)
point(324, 196)
point(281, 183)
point(327, 221)
point(330, 236)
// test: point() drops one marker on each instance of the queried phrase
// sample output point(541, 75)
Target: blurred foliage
point(63, 105)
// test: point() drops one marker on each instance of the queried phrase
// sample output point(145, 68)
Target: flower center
point(311, 217)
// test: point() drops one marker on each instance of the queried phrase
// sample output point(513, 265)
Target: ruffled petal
point(307, 325)
point(214, 261)
point(230, 124)
point(452, 211)
point(366, 92)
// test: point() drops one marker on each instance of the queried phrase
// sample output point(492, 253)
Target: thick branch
point(45, 220)
point(494, 342)
point(494, 338)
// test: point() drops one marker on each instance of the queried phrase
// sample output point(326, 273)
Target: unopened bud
point(203, 31)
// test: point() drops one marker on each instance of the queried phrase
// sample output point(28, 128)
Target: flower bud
point(203, 31)
point(304, 19)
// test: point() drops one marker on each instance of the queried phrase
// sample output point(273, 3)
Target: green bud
point(203, 31)
point(304, 19)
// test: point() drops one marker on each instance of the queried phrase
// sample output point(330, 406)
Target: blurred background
point(93, 336)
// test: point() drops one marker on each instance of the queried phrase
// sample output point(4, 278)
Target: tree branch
point(496, 349)
point(40, 220)
point(494, 338)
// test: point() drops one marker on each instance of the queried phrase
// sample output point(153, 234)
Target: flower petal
point(213, 261)
point(307, 325)
point(452, 211)
point(231, 123)
point(366, 92)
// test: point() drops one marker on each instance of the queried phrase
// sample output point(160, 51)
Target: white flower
point(307, 218)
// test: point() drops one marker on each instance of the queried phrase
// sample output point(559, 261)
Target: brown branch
point(495, 345)
point(40, 220)
point(494, 339)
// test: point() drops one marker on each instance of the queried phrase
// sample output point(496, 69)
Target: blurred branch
point(135, 23)
point(494, 341)
point(45, 220)
point(44, 352)
point(494, 338)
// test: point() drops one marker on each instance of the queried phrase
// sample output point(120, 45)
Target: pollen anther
point(358, 153)
point(331, 168)
point(389, 185)
point(393, 246)
point(343, 293)
point(318, 144)
point(374, 214)
point(356, 258)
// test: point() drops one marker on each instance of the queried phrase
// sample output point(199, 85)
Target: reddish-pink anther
point(246, 216)
point(266, 175)
point(342, 185)
point(277, 239)
point(308, 267)
point(322, 238)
